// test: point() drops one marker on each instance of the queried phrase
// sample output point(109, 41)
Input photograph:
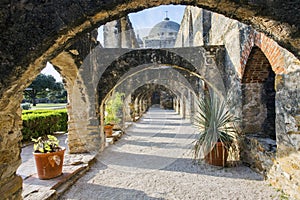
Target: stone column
point(10, 140)
point(174, 104)
point(141, 107)
point(188, 106)
point(178, 105)
point(136, 106)
point(192, 101)
point(182, 107)
point(126, 109)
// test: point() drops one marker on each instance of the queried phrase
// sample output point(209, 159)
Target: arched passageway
point(105, 73)
point(57, 27)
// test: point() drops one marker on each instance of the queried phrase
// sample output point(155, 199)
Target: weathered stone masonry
point(244, 67)
point(34, 32)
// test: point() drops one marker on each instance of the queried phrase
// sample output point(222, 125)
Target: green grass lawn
point(48, 106)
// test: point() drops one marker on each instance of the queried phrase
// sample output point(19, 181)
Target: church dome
point(165, 28)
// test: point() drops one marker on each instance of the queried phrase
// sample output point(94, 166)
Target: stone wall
point(10, 184)
point(34, 32)
point(258, 153)
point(254, 110)
point(240, 41)
point(283, 173)
point(119, 34)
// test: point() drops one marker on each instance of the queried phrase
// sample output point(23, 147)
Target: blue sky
point(142, 22)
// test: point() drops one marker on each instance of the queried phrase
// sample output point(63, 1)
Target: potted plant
point(112, 108)
point(49, 156)
point(217, 132)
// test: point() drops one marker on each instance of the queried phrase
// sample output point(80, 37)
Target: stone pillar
point(178, 105)
point(136, 106)
point(10, 140)
point(174, 104)
point(182, 107)
point(188, 106)
point(126, 109)
point(192, 101)
point(85, 133)
point(141, 107)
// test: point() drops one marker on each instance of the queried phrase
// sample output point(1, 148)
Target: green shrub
point(38, 123)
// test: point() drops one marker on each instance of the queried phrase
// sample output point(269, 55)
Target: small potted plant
point(217, 132)
point(112, 108)
point(49, 156)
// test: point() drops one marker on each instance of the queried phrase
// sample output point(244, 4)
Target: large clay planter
point(108, 130)
point(218, 156)
point(49, 165)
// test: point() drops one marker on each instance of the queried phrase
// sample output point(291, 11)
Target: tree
point(41, 86)
point(58, 94)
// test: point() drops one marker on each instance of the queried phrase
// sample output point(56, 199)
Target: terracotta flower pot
point(49, 165)
point(218, 156)
point(108, 130)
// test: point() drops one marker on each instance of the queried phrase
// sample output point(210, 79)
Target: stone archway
point(104, 67)
point(259, 96)
point(168, 77)
point(199, 60)
point(45, 30)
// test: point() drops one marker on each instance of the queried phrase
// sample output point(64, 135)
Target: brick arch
point(270, 49)
point(257, 68)
point(258, 95)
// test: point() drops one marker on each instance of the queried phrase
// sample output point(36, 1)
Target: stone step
point(75, 166)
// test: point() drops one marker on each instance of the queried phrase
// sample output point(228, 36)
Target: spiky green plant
point(215, 122)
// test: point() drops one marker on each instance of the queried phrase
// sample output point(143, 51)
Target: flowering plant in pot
point(49, 156)
point(217, 132)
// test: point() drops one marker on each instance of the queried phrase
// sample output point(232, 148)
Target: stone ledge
point(75, 166)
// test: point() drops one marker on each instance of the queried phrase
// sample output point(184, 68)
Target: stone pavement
point(153, 161)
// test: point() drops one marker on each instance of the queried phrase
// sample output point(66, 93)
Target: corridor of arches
point(210, 52)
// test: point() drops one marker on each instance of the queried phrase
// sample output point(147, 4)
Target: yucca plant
point(215, 123)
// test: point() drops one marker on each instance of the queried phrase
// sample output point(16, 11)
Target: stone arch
point(115, 63)
point(199, 63)
point(146, 90)
point(168, 77)
point(79, 21)
point(56, 26)
point(258, 96)
point(269, 47)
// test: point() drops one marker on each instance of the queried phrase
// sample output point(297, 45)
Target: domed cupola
point(162, 35)
point(165, 29)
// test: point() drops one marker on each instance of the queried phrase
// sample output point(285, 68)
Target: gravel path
point(153, 161)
